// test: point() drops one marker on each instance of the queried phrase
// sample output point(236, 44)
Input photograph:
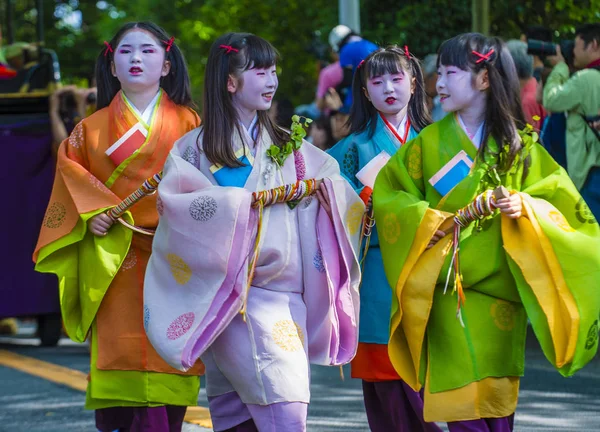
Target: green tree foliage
point(195, 24)
point(511, 17)
point(77, 28)
point(424, 25)
point(77, 46)
point(419, 24)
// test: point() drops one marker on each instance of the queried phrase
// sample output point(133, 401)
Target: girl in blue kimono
point(389, 109)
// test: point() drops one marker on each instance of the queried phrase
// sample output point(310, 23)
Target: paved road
point(547, 402)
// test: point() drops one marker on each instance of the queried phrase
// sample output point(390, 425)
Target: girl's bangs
point(453, 52)
point(260, 54)
point(458, 51)
point(384, 62)
point(157, 33)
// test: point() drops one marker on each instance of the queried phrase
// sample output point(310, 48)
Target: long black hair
point(176, 84)
point(232, 54)
point(504, 113)
point(391, 60)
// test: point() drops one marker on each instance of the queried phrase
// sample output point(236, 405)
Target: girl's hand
point(511, 207)
point(99, 224)
point(436, 238)
point(323, 198)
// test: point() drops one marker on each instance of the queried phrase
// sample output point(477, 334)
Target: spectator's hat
point(337, 35)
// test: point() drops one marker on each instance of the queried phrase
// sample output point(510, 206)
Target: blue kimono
point(353, 153)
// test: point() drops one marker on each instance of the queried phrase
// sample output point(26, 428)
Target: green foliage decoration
point(297, 134)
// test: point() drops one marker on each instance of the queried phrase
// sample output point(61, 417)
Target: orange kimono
point(101, 278)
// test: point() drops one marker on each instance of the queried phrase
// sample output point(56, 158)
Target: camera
point(67, 105)
point(543, 49)
point(91, 98)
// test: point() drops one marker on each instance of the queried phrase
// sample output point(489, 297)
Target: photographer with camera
point(537, 34)
point(579, 96)
point(68, 105)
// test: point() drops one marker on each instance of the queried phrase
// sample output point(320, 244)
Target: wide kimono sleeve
point(345, 153)
point(85, 264)
point(331, 268)
point(406, 223)
point(196, 278)
point(554, 255)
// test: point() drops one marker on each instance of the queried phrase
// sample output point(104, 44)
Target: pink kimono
point(302, 305)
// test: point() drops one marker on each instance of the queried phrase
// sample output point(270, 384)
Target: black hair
point(346, 39)
point(233, 54)
point(589, 33)
point(176, 84)
point(284, 112)
point(538, 33)
point(504, 113)
point(391, 60)
point(67, 107)
point(324, 122)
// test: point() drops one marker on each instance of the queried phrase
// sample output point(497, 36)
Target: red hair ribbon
point(229, 48)
point(169, 43)
point(360, 64)
point(483, 57)
point(108, 48)
point(406, 51)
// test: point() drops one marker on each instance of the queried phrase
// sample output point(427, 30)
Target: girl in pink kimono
point(258, 292)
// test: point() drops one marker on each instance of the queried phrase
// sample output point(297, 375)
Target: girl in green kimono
point(388, 110)
point(464, 287)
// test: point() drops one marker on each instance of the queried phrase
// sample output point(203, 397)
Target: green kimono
point(544, 266)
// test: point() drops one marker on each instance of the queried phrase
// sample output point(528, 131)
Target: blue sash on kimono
point(353, 153)
point(234, 176)
point(452, 173)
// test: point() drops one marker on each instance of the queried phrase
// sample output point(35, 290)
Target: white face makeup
point(254, 89)
point(456, 88)
point(390, 93)
point(139, 62)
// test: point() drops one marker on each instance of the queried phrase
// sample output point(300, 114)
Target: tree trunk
point(480, 16)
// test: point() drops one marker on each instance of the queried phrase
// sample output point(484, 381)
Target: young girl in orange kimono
point(143, 107)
